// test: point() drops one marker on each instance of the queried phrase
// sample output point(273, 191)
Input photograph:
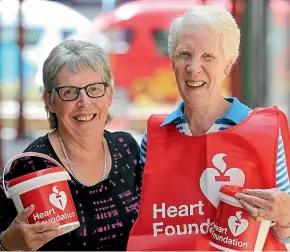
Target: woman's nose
point(83, 98)
point(194, 67)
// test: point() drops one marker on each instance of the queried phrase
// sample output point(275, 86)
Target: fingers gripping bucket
point(47, 190)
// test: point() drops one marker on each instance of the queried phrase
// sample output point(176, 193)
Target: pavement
point(13, 146)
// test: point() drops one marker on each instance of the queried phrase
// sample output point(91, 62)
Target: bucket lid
point(231, 190)
point(35, 174)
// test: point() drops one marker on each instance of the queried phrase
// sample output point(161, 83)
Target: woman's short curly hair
point(74, 55)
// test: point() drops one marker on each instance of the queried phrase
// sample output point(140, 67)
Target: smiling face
point(83, 116)
point(199, 66)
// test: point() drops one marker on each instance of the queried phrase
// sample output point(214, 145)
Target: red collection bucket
point(47, 190)
point(234, 229)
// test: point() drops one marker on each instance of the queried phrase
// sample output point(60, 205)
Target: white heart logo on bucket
point(233, 229)
point(58, 199)
point(237, 225)
point(47, 190)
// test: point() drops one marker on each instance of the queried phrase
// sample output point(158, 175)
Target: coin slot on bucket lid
point(231, 190)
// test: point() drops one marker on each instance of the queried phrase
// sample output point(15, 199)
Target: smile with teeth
point(195, 83)
point(85, 118)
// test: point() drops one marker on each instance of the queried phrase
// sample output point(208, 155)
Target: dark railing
point(20, 125)
point(1, 121)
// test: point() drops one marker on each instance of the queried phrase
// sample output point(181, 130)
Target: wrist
point(283, 225)
point(280, 236)
point(282, 230)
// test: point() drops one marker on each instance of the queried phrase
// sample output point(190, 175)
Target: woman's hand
point(23, 236)
point(268, 204)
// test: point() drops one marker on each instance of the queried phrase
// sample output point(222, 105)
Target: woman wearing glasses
point(103, 166)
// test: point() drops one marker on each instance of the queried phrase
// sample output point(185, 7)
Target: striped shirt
point(236, 113)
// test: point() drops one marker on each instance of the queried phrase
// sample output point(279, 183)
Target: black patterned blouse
point(106, 211)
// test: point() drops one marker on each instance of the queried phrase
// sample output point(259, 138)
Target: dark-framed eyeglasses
point(71, 93)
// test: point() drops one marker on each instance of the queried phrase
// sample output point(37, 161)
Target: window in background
point(65, 33)
point(119, 39)
point(161, 37)
point(10, 35)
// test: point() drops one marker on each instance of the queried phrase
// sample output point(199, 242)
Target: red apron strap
point(154, 129)
point(154, 122)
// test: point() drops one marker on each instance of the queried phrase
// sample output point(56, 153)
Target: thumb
point(23, 216)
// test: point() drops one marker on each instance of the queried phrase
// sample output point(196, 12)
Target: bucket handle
point(25, 154)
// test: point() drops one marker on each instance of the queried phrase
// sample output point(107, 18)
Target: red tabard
point(183, 175)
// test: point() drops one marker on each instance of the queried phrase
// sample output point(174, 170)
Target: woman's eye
point(67, 92)
point(208, 57)
point(185, 55)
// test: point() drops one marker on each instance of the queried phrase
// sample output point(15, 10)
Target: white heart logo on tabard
point(58, 198)
point(237, 225)
point(212, 179)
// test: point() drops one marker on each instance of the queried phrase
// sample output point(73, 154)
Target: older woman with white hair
point(207, 142)
point(104, 169)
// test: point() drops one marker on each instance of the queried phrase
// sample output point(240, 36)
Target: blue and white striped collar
point(236, 113)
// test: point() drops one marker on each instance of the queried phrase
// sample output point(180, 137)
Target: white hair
point(213, 17)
